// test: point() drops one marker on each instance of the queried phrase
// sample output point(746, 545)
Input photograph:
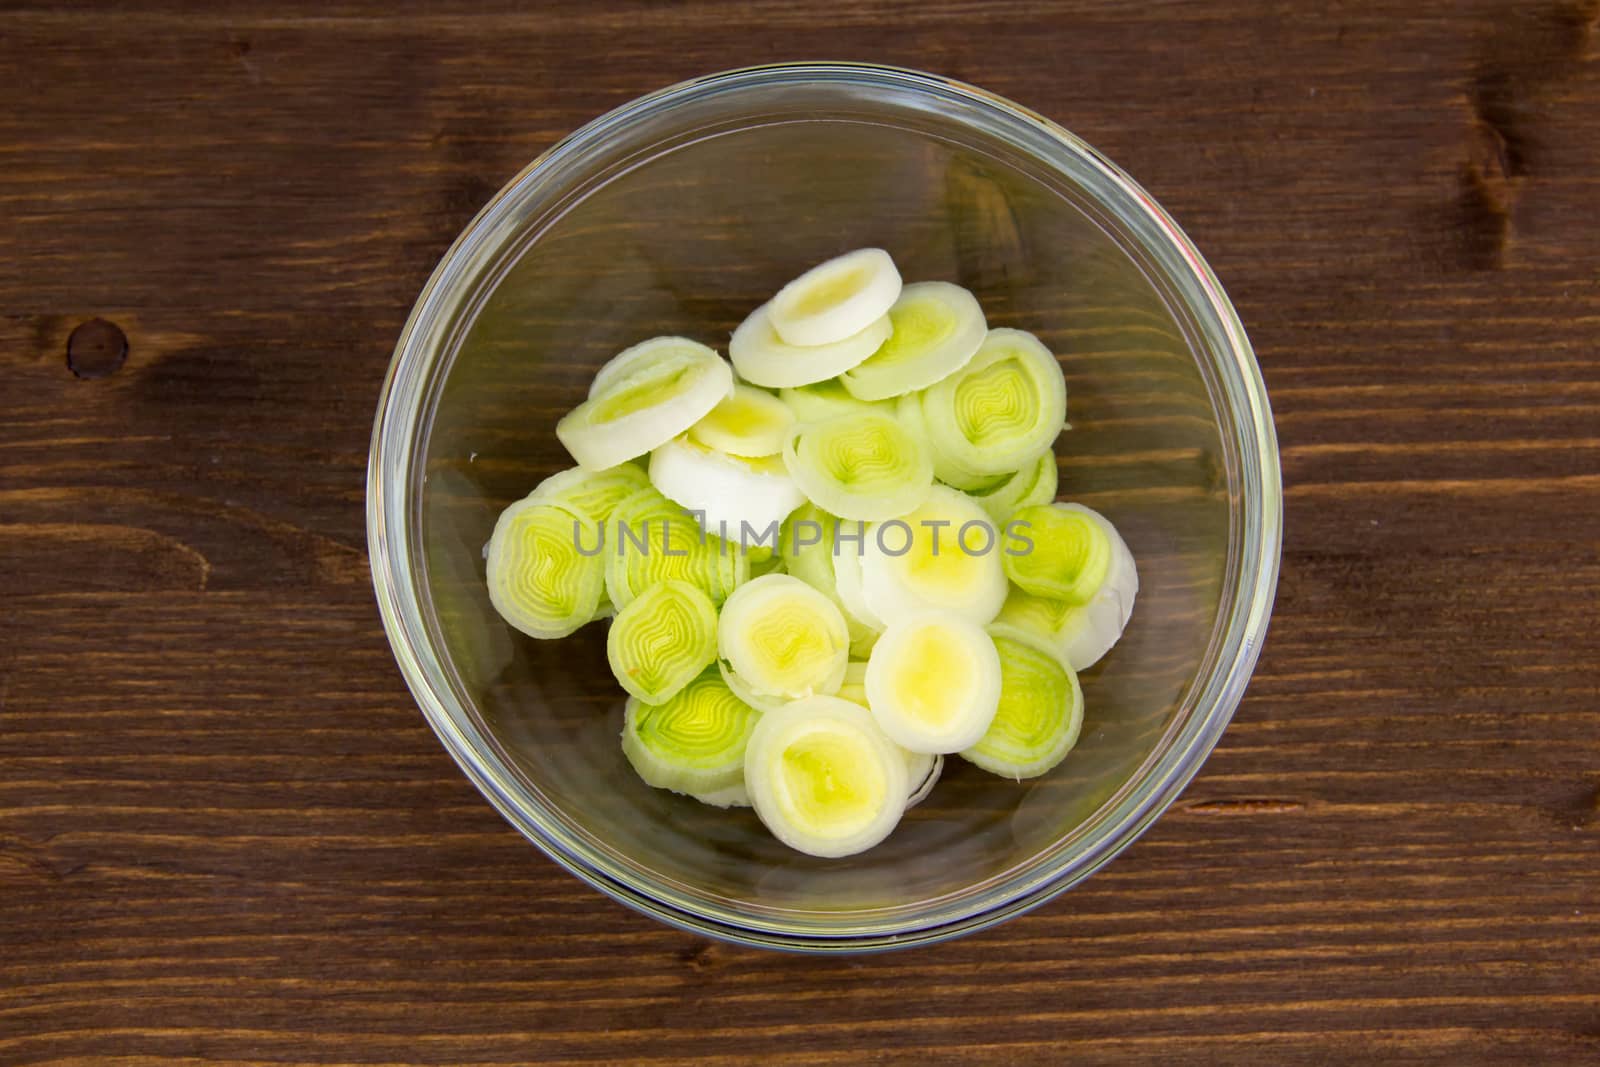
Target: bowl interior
point(681, 221)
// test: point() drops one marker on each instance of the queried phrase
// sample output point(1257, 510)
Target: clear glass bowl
point(680, 212)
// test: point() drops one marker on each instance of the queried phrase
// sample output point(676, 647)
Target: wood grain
point(226, 834)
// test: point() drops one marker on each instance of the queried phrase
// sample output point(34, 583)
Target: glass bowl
point(679, 213)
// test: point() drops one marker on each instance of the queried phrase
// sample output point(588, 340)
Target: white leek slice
point(655, 540)
point(644, 354)
point(763, 358)
point(1080, 634)
point(823, 777)
point(933, 682)
point(1035, 483)
point(848, 587)
point(783, 639)
point(539, 580)
point(694, 743)
point(823, 400)
point(594, 493)
point(1040, 713)
point(662, 641)
point(997, 413)
point(748, 422)
point(735, 796)
point(1066, 555)
point(729, 493)
point(922, 772)
point(835, 299)
point(859, 466)
point(946, 555)
point(646, 404)
point(937, 328)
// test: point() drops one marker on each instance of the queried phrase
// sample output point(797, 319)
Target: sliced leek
point(933, 682)
point(836, 299)
point(763, 358)
point(937, 328)
point(1068, 555)
point(1035, 483)
point(539, 580)
point(863, 466)
point(782, 639)
point(657, 350)
point(657, 541)
point(946, 554)
point(748, 422)
point(1080, 634)
point(662, 641)
point(997, 413)
point(594, 493)
point(823, 777)
point(823, 400)
point(1039, 717)
point(646, 404)
point(694, 743)
point(734, 497)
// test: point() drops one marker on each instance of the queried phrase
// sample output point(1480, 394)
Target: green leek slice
point(662, 640)
point(782, 640)
point(694, 743)
point(825, 399)
point(655, 540)
point(539, 580)
point(1040, 713)
point(937, 328)
point(823, 777)
point(997, 413)
point(1068, 552)
point(594, 493)
point(863, 466)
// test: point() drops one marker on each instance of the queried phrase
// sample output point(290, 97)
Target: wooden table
point(226, 833)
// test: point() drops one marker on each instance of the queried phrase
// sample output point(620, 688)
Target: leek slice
point(646, 404)
point(863, 466)
point(763, 358)
point(933, 682)
point(937, 328)
point(655, 351)
point(999, 412)
point(657, 541)
point(1080, 634)
point(946, 555)
point(1034, 483)
point(538, 579)
point(1039, 717)
point(728, 493)
point(823, 777)
point(694, 743)
point(922, 773)
point(594, 493)
point(662, 641)
point(836, 299)
point(748, 422)
point(782, 640)
point(1068, 555)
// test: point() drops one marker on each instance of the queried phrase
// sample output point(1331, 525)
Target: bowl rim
point(1159, 780)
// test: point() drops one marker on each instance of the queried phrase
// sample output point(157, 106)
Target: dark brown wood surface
point(226, 833)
